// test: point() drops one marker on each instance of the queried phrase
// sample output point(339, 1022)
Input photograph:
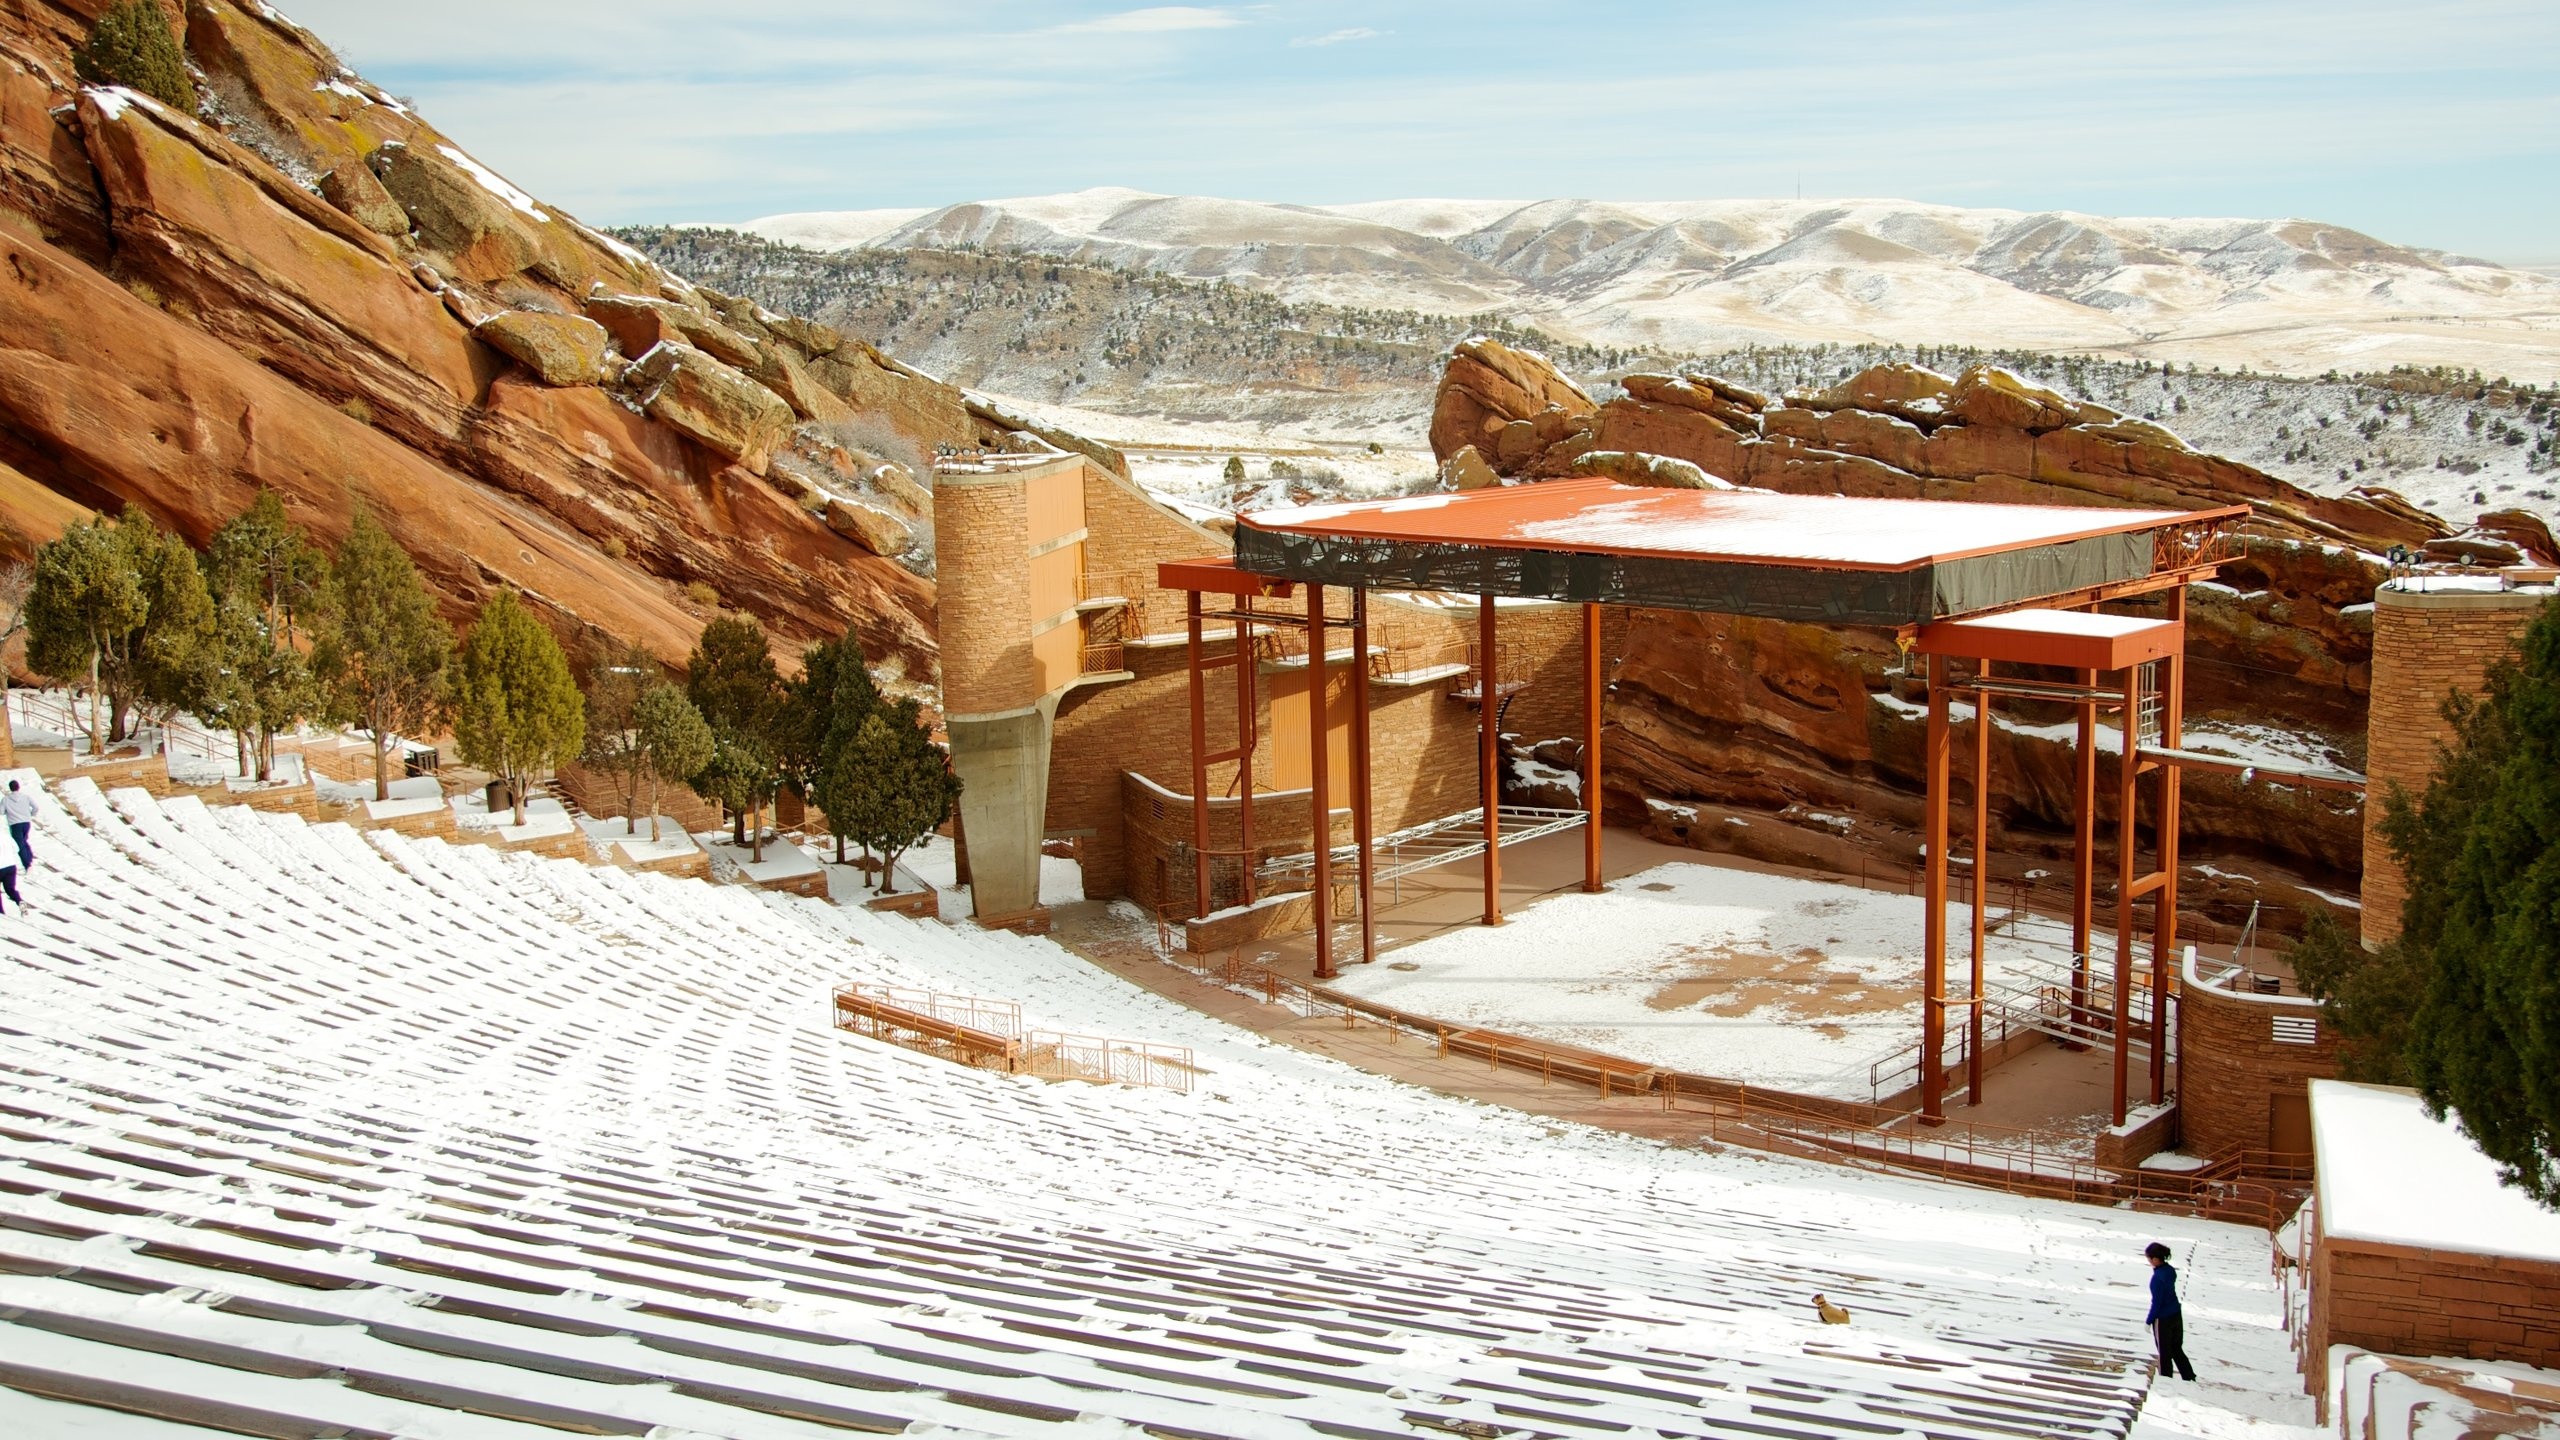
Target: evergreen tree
point(615, 674)
point(893, 783)
point(1234, 472)
point(2466, 1000)
point(730, 677)
point(16, 579)
point(516, 711)
point(124, 602)
point(380, 651)
point(822, 709)
point(672, 741)
point(80, 599)
point(133, 45)
point(265, 555)
point(260, 569)
point(259, 687)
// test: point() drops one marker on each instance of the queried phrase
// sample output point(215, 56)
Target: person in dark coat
point(2168, 1319)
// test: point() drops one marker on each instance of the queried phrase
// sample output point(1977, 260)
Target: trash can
point(501, 796)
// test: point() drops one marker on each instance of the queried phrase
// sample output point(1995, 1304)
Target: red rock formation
point(308, 288)
point(1761, 716)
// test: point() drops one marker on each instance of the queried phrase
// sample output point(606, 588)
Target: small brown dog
point(1831, 1314)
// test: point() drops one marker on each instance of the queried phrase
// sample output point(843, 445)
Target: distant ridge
point(2289, 295)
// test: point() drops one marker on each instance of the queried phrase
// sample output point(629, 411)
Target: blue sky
point(2432, 125)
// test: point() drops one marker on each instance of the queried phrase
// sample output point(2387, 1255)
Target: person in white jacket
point(18, 808)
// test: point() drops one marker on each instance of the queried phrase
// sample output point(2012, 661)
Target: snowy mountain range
point(2292, 296)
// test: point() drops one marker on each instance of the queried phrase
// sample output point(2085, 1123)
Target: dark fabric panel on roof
point(1985, 582)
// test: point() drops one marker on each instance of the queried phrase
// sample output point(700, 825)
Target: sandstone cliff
point(1788, 722)
point(305, 287)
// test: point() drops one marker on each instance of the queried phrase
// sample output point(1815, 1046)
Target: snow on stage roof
point(1841, 558)
point(311, 1132)
point(2392, 1174)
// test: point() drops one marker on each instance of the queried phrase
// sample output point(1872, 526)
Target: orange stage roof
point(1828, 532)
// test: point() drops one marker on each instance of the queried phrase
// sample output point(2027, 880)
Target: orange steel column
point(1933, 975)
point(1320, 798)
point(1199, 766)
point(2084, 848)
point(1363, 825)
point(1981, 882)
point(1591, 746)
point(2164, 934)
point(2126, 775)
point(1248, 738)
point(1489, 758)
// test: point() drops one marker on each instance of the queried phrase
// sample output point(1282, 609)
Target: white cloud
point(1156, 20)
point(1338, 37)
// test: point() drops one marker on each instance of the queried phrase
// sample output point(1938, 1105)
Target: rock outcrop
point(307, 288)
point(1768, 718)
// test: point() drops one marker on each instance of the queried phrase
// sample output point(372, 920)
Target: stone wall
point(2426, 644)
point(2232, 1069)
point(2404, 1301)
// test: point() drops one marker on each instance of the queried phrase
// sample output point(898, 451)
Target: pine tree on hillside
point(134, 45)
point(671, 740)
point(516, 711)
point(380, 651)
point(730, 677)
point(2465, 1001)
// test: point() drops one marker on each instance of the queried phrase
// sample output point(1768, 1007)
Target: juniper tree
point(730, 677)
point(671, 741)
point(379, 651)
point(133, 45)
point(122, 602)
point(516, 711)
point(614, 675)
point(892, 784)
point(261, 570)
point(262, 553)
point(2465, 1001)
point(823, 708)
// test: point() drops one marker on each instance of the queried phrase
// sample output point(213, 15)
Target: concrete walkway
point(2060, 1095)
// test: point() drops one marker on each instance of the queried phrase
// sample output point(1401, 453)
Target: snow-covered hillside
point(2288, 295)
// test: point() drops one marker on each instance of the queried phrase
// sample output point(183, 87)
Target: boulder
point(777, 369)
point(482, 236)
point(1467, 470)
point(2522, 529)
point(1913, 392)
point(870, 527)
point(559, 349)
point(1707, 396)
point(1986, 395)
point(1660, 472)
point(812, 338)
point(710, 402)
point(1487, 386)
point(354, 189)
point(639, 322)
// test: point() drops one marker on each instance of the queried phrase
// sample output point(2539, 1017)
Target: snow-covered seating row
point(305, 1131)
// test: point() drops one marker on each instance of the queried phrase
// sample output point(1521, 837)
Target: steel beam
point(1489, 756)
point(1199, 761)
point(1981, 885)
point(1591, 694)
point(1933, 974)
point(1320, 786)
point(1363, 823)
point(2127, 776)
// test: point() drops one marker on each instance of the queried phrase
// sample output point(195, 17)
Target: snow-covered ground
point(394, 1136)
point(1797, 984)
